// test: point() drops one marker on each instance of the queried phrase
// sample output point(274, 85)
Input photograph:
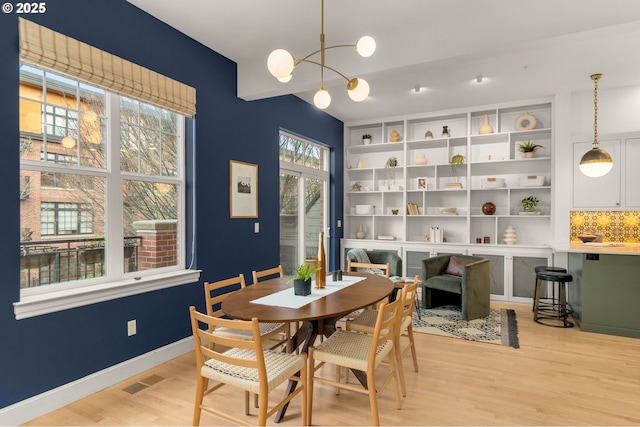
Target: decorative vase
point(428, 135)
point(360, 163)
point(526, 122)
point(360, 234)
point(509, 235)
point(395, 136)
point(321, 273)
point(445, 132)
point(485, 127)
point(488, 208)
point(302, 287)
point(421, 159)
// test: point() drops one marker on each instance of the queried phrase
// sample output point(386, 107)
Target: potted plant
point(457, 160)
point(366, 138)
point(302, 279)
point(529, 204)
point(528, 148)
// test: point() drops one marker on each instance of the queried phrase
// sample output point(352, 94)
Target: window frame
point(116, 283)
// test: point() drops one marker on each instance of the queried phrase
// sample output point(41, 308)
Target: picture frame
point(243, 189)
point(421, 183)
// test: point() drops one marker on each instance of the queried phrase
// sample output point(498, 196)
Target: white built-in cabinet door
point(632, 172)
point(602, 192)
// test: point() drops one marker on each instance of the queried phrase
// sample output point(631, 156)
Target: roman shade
point(45, 48)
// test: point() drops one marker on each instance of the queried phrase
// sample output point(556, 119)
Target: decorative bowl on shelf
point(448, 210)
point(492, 182)
point(364, 209)
point(587, 237)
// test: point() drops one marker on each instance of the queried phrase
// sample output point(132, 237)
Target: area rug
point(499, 327)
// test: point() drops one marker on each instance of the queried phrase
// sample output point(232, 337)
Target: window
point(59, 219)
point(70, 134)
point(304, 201)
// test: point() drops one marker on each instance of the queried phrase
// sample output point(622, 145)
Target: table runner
point(286, 298)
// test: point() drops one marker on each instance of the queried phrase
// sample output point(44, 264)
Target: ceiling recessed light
point(479, 78)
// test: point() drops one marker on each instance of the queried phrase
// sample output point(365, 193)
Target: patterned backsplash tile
point(615, 226)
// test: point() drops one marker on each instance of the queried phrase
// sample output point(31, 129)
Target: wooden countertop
point(599, 248)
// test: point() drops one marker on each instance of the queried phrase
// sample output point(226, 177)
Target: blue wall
point(41, 353)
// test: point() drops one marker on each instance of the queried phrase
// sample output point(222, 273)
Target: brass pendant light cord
point(595, 78)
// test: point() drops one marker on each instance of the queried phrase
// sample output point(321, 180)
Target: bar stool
point(538, 269)
point(555, 309)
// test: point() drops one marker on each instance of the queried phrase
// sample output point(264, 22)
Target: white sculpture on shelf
point(509, 235)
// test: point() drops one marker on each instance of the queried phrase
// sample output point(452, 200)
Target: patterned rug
point(500, 327)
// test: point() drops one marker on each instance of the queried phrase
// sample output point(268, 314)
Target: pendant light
point(281, 65)
point(596, 162)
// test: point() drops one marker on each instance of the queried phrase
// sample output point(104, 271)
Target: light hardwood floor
point(556, 377)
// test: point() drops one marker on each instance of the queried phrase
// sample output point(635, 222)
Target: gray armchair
point(470, 290)
point(381, 257)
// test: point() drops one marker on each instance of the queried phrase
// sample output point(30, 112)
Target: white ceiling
point(523, 48)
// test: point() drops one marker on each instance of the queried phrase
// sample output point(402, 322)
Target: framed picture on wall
point(243, 189)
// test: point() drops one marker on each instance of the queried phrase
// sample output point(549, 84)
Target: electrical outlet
point(131, 327)
point(256, 227)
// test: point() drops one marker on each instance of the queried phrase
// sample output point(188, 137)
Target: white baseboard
point(51, 400)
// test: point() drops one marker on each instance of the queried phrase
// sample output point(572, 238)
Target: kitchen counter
point(600, 248)
point(605, 293)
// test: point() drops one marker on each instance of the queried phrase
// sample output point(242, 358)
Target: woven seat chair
point(216, 292)
point(366, 322)
point(267, 274)
point(362, 352)
point(242, 364)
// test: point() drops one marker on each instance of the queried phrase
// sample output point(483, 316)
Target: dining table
point(273, 300)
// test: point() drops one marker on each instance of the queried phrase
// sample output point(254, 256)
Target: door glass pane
point(313, 217)
point(497, 272)
point(524, 275)
point(288, 222)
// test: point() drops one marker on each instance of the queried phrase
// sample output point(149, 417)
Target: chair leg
point(262, 411)
point(246, 402)
point(398, 354)
point(373, 397)
point(304, 376)
point(394, 372)
point(199, 395)
point(414, 355)
point(311, 374)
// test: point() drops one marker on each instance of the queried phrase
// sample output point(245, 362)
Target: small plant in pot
point(528, 148)
point(366, 138)
point(529, 204)
point(302, 279)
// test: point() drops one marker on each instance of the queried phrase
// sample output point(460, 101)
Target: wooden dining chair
point(362, 352)
point(216, 292)
point(269, 273)
point(382, 269)
point(244, 364)
point(366, 322)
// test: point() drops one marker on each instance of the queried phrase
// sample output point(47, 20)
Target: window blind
point(45, 48)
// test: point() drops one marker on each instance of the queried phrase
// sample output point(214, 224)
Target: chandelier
point(595, 162)
point(281, 65)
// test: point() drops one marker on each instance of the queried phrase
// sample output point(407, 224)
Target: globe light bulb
point(322, 99)
point(280, 63)
point(285, 79)
point(366, 46)
point(358, 89)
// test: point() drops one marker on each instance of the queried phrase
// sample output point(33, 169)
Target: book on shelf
point(413, 209)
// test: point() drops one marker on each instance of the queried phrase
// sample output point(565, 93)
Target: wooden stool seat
point(552, 309)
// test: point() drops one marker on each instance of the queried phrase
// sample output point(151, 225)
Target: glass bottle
point(321, 273)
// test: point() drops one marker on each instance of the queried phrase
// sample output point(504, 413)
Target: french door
point(304, 200)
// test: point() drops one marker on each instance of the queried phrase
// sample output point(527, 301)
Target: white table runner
point(286, 298)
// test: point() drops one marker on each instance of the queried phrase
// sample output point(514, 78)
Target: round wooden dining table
point(318, 316)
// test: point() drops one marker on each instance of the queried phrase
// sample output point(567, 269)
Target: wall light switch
point(256, 227)
point(339, 223)
point(131, 327)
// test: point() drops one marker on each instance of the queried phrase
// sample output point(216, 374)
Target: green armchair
point(470, 290)
point(380, 257)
